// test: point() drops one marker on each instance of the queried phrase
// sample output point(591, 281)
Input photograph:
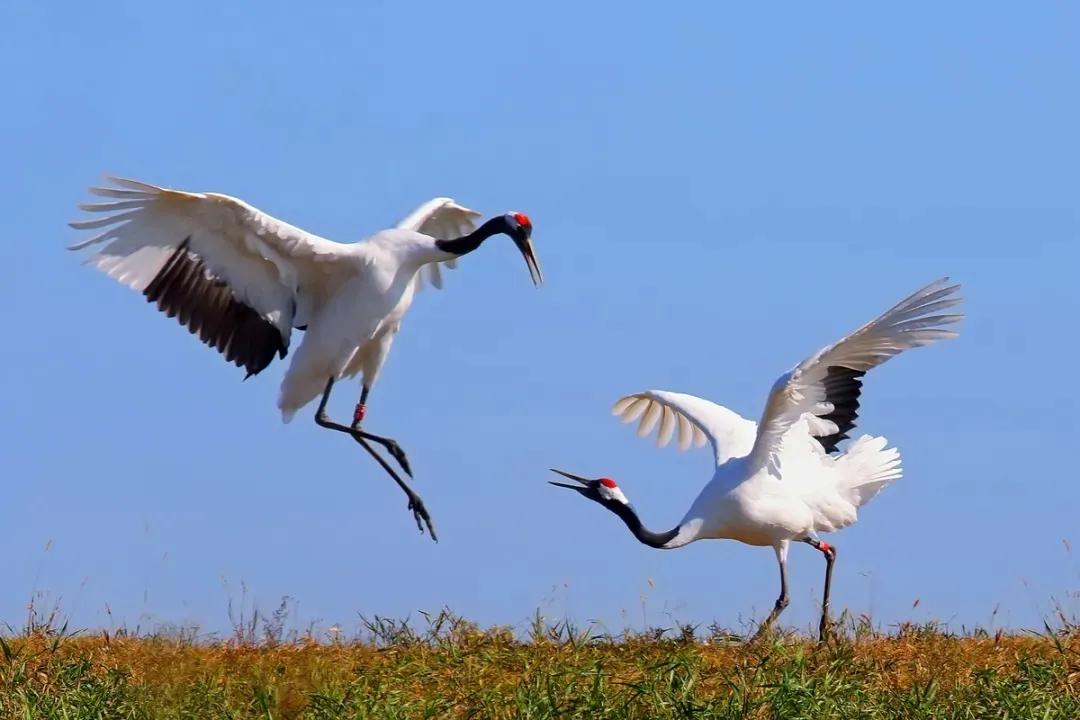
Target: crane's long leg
point(829, 551)
point(782, 601)
point(415, 503)
point(390, 444)
point(361, 408)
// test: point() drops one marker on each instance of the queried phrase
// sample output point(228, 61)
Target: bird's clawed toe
point(398, 454)
point(764, 629)
point(420, 514)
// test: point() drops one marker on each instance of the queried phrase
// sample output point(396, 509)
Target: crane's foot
point(420, 514)
point(765, 630)
point(398, 454)
point(762, 631)
point(825, 629)
point(766, 627)
point(391, 446)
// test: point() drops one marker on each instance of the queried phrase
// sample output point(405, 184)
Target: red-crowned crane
point(784, 479)
point(243, 281)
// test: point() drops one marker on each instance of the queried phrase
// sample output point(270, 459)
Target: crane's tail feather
point(297, 391)
point(867, 468)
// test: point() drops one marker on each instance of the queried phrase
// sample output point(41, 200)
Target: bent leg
point(416, 504)
point(391, 445)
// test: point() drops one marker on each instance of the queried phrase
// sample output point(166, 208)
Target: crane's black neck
point(468, 243)
point(642, 533)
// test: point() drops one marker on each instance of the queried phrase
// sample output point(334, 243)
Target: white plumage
point(243, 281)
point(778, 480)
point(350, 297)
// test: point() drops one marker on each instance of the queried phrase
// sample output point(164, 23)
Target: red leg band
point(358, 414)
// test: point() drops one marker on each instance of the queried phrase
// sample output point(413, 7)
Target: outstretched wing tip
point(694, 422)
point(825, 387)
point(225, 270)
point(622, 403)
point(132, 184)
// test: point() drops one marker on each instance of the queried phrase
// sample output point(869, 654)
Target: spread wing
point(227, 271)
point(824, 389)
point(441, 218)
point(694, 420)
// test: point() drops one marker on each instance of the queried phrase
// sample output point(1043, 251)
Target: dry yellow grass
point(465, 672)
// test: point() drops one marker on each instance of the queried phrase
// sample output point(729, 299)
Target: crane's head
point(520, 230)
point(602, 490)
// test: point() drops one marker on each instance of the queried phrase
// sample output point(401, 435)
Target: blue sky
point(717, 192)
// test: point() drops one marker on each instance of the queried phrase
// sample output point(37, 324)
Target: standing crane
point(784, 479)
point(243, 281)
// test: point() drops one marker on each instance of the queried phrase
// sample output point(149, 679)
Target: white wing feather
point(913, 322)
point(692, 419)
point(444, 219)
point(263, 260)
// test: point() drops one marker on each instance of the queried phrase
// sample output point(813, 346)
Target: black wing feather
point(842, 388)
point(185, 288)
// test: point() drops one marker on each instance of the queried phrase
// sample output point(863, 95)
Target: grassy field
point(452, 669)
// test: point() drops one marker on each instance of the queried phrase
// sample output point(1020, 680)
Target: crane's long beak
point(524, 244)
point(583, 481)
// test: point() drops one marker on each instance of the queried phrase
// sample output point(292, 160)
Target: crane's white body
point(813, 493)
point(350, 329)
point(775, 483)
point(349, 298)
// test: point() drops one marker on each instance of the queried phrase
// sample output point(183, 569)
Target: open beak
point(583, 481)
point(524, 244)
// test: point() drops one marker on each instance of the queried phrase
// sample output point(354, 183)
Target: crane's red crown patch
point(608, 483)
point(523, 219)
